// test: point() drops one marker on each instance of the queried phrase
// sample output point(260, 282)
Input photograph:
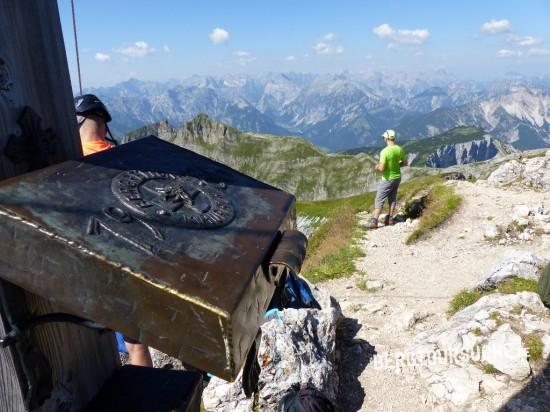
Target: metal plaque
point(153, 240)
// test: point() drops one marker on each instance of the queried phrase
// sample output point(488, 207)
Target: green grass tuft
point(515, 284)
point(534, 346)
point(442, 203)
point(489, 369)
point(477, 332)
point(463, 299)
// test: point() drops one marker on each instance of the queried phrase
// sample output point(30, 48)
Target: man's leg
point(392, 196)
point(381, 195)
point(138, 353)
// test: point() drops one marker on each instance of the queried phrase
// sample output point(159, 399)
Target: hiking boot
point(373, 223)
point(388, 220)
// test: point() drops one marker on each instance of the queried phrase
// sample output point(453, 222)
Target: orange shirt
point(95, 146)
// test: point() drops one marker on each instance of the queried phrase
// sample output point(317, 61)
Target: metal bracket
point(18, 330)
point(288, 255)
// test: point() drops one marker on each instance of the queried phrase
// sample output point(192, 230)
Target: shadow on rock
point(355, 355)
point(533, 397)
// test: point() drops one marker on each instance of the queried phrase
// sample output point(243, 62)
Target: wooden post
point(34, 74)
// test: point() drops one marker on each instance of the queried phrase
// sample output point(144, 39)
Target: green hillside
point(291, 163)
point(422, 148)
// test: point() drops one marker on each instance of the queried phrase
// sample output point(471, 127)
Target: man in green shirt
point(392, 157)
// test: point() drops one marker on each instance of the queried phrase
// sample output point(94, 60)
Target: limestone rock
point(297, 350)
point(521, 211)
point(506, 174)
point(516, 263)
point(506, 353)
point(409, 318)
point(491, 232)
point(534, 173)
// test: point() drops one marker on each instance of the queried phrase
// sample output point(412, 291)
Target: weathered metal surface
point(153, 240)
point(133, 388)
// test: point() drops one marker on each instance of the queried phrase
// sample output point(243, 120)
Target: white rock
point(491, 385)
point(465, 388)
point(546, 228)
point(450, 341)
point(505, 352)
point(409, 318)
point(520, 211)
point(506, 173)
point(376, 307)
point(374, 284)
point(515, 263)
point(525, 236)
point(546, 342)
point(440, 391)
point(491, 232)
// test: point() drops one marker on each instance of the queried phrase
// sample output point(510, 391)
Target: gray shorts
point(386, 190)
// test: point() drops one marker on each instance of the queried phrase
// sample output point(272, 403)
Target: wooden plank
point(34, 72)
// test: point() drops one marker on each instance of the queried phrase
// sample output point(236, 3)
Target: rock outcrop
point(469, 152)
point(487, 350)
point(297, 350)
point(530, 173)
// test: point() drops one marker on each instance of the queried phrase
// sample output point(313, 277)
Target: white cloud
point(166, 49)
point(290, 58)
point(244, 57)
point(325, 48)
point(329, 37)
point(138, 49)
point(537, 51)
point(403, 36)
point(523, 40)
point(219, 36)
point(102, 57)
point(496, 26)
point(508, 53)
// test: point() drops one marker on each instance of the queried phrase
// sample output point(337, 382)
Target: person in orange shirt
point(92, 117)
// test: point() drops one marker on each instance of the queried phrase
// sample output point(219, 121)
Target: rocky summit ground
point(410, 288)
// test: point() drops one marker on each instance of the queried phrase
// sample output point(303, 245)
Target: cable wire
point(76, 47)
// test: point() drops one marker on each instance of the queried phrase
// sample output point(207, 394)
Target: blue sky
point(164, 39)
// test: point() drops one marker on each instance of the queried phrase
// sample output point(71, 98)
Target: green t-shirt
point(391, 157)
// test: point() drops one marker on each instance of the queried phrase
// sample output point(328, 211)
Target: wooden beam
point(34, 73)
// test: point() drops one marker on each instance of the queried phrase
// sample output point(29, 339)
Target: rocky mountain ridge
point(468, 152)
point(341, 111)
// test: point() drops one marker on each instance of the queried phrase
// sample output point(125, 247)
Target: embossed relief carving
point(180, 200)
point(150, 197)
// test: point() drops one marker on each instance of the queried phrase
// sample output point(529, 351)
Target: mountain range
point(341, 111)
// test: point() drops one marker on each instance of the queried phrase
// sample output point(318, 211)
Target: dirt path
point(423, 277)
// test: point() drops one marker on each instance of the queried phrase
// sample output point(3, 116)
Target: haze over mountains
point(342, 111)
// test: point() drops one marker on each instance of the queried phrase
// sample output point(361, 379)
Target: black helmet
point(90, 104)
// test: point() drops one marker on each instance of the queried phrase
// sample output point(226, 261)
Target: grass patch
point(515, 284)
point(465, 298)
point(496, 317)
point(489, 369)
point(442, 203)
point(516, 310)
point(333, 251)
point(477, 332)
point(534, 346)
